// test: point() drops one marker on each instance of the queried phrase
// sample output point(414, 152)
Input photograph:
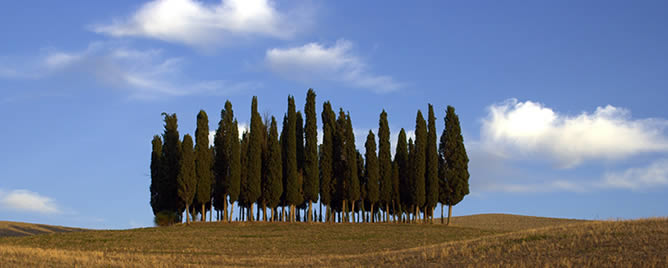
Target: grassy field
point(491, 239)
point(8, 228)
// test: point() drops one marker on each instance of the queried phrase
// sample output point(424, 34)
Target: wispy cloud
point(27, 201)
point(201, 24)
point(315, 61)
point(144, 74)
point(653, 175)
point(518, 128)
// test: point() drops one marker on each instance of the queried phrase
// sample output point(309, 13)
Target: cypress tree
point(226, 179)
point(431, 180)
point(292, 186)
point(402, 160)
point(384, 162)
point(254, 164)
point(171, 162)
point(157, 174)
point(353, 191)
point(396, 191)
point(187, 175)
point(203, 161)
point(327, 157)
point(455, 162)
point(311, 180)
point(340, 164)
point(243, 180)
point(234, 179)
point(371, 170)
point(273, 188)
point(361, 177)
point(411, 179)
point(419, 192)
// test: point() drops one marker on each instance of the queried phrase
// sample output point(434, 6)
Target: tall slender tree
point(187, 175)
point(226, 179)
point(171, 162)
point(234, 179)
point(455, 162)
point(431, 180)
point(203, 161)
point(157, 175)
point(292, 186)
point(396, 191)
point(384, 163)
point(327, 157)
point(311, 180)
point(352, 180)
point(341, 162)
point(273, 188)
point(243, 180)
point(403, 162)
point(411, 177)
point(419, 193)
point(371, 170)
point(254, 164)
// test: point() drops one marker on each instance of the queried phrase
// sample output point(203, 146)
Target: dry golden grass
point(8, 228)
point(563, 244)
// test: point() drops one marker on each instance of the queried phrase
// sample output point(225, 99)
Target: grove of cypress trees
point(384, 162)
point(292, 187)
point(254, 165)
point(203, 161)
point(455, 162)
point(273, 187)
point(327, 158)
point(171, 162)
point(157, 174)
point(419, 193)
point(187, 175)
point(371, 170)
point(311, 180)
point(431, 180)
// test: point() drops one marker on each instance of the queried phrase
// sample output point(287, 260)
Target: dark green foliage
point(157, 174)
point(234, 173)
point(419, 161)
point(311, 180)
point(384, 160)
point(166, 218)
point(299, 134)
point(203, 159)
point(431, 179)
point(292, 185)
point(454, 175)
point(187, 175)
point(243, 175)
point(403, 163)
point(327, 153)
point(396, 191)
point(371, 169)
point(273, 187)
point(171, 162)
point(353, 191)
point(340, 166)
point(254, 165)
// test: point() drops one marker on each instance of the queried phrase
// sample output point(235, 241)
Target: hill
point(8, 228)
point(496, 240)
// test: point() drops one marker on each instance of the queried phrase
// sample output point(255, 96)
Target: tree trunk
point(283, 213)
point(231, 212)
point(328, 214)
point(449, 213)
point(320, 211)
point(264, 211)
point(352, 210)
point(372, 219)
point(187, 214)
point(203, 212)
point(310, 212)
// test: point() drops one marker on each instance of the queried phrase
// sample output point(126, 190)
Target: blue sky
point(561, 102)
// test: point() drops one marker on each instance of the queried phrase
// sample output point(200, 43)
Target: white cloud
point(27, 201)
point(653, 175)
point(608, 133)
point(202, 24)
point(315, 61)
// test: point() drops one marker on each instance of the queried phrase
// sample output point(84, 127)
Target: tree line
point(289, 171)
